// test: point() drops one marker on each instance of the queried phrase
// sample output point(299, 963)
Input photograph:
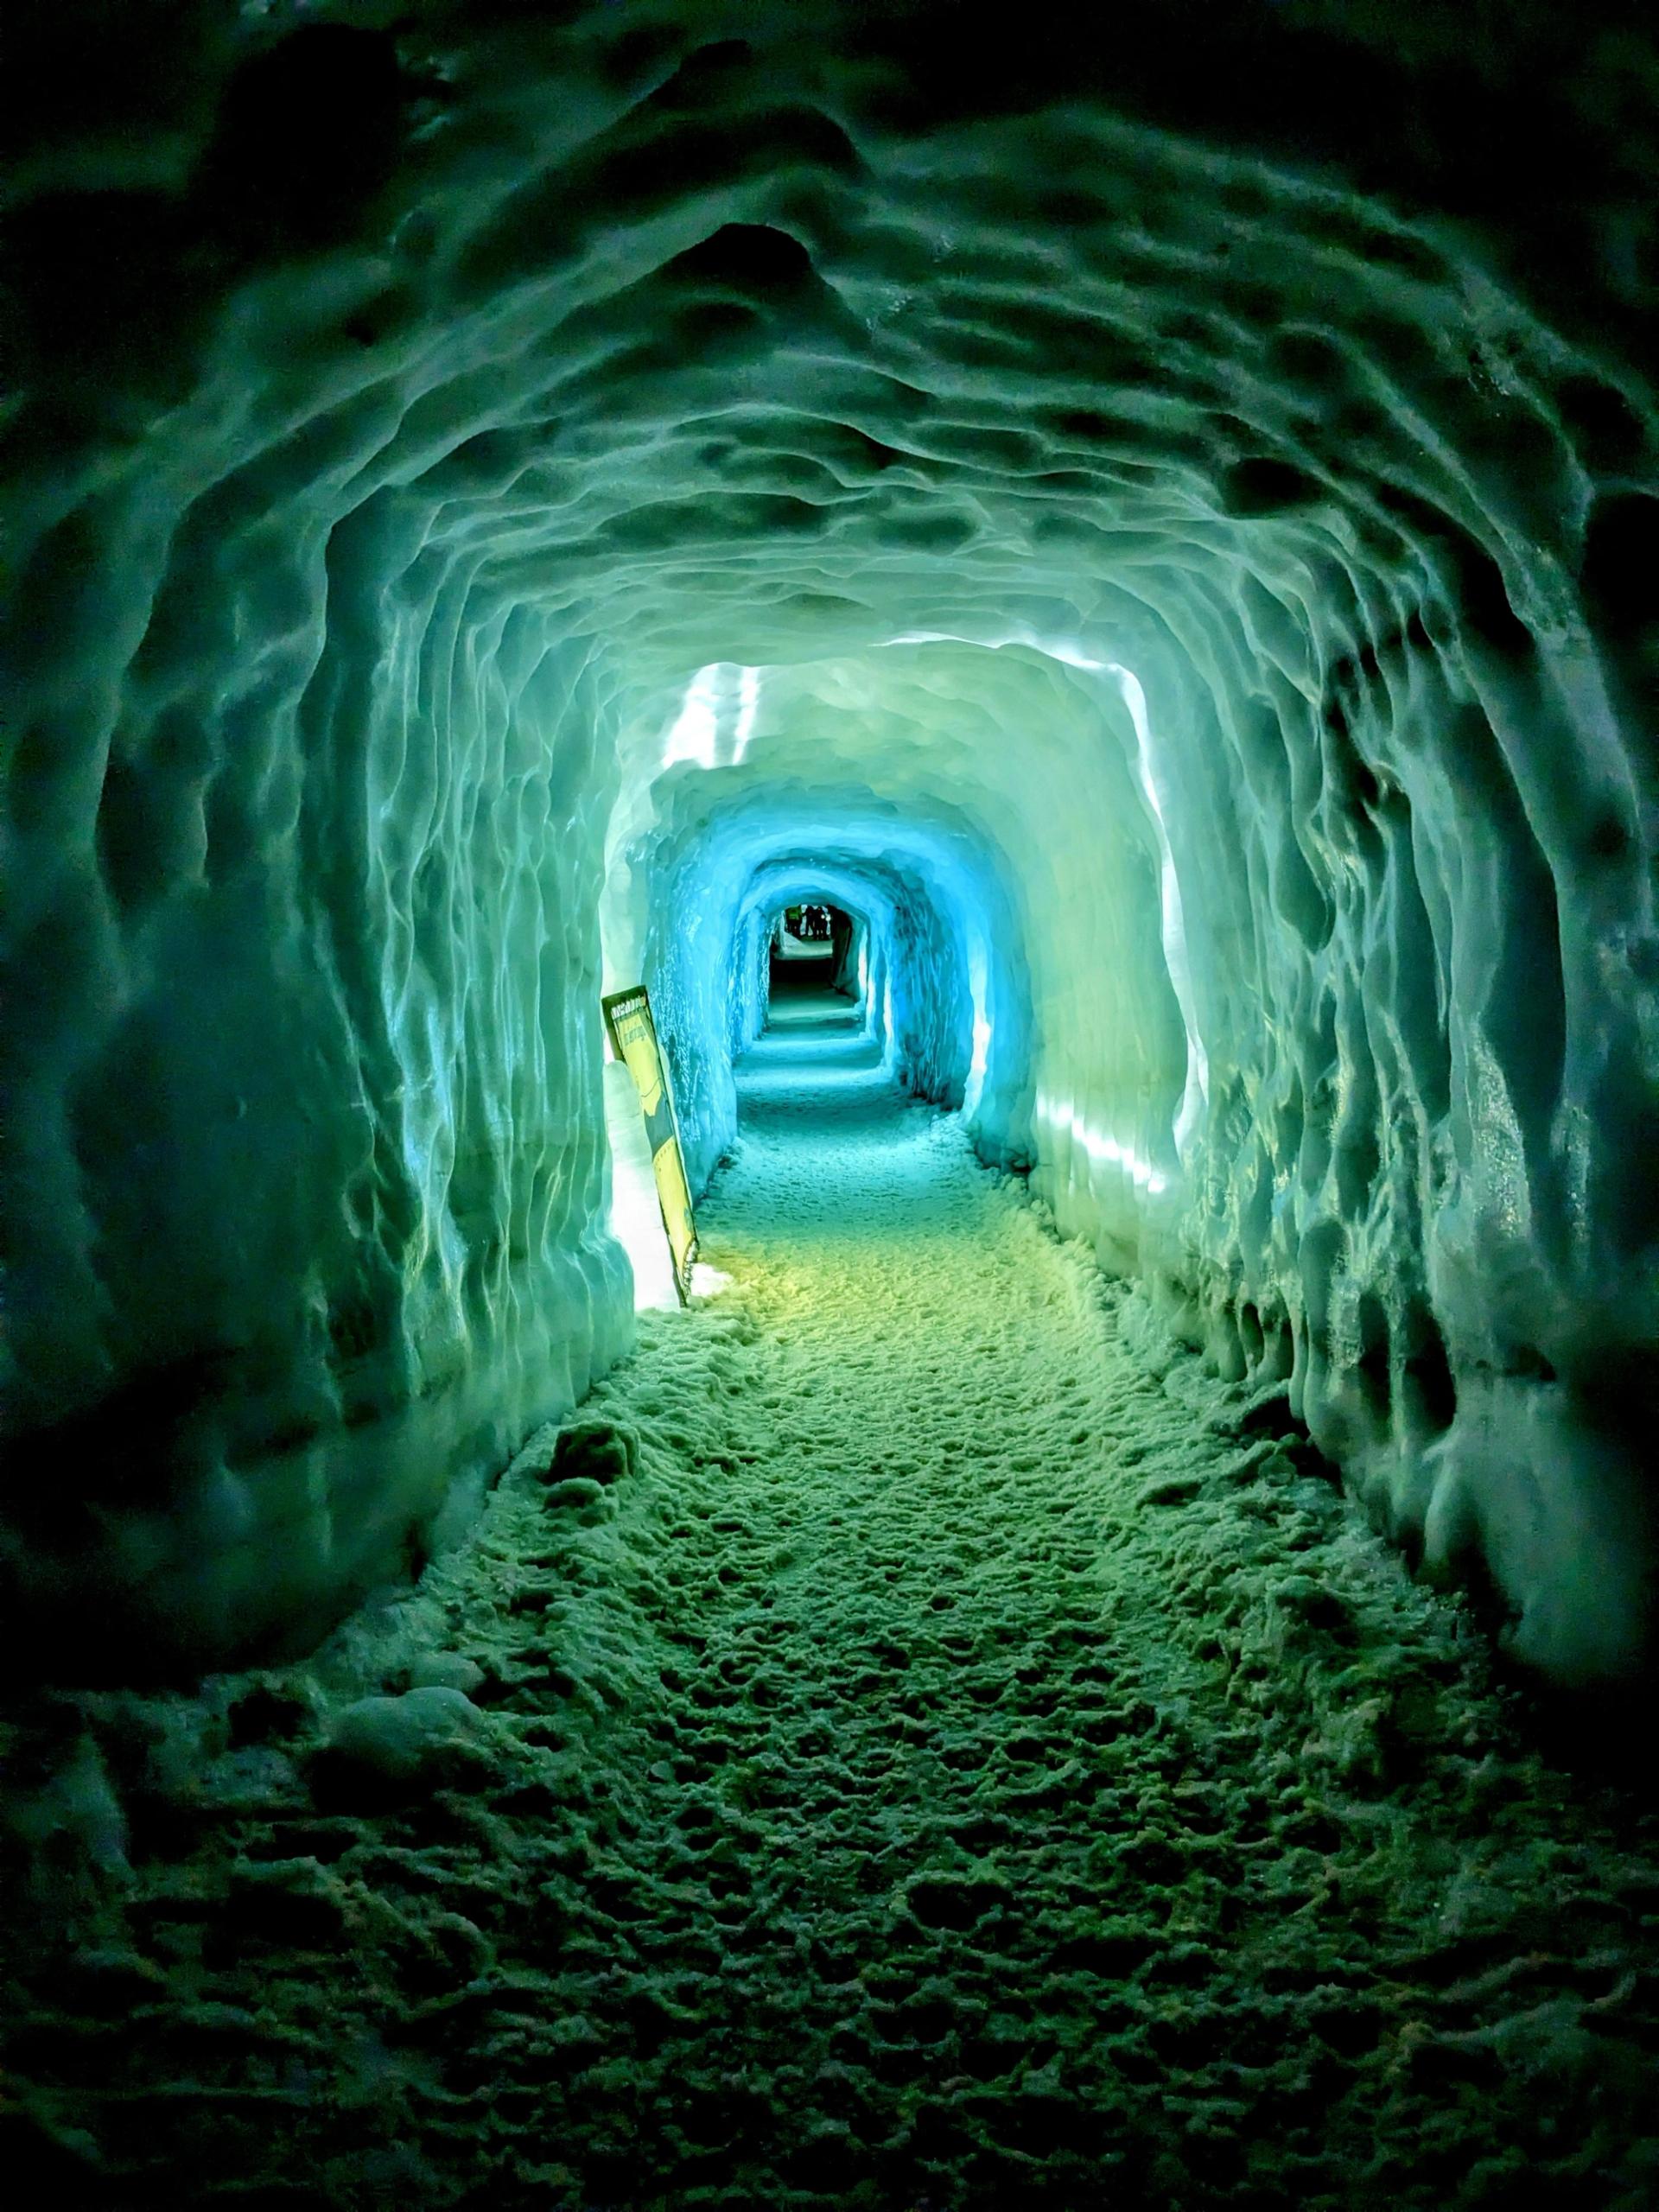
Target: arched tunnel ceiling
point(407, 404)
point(716, 345)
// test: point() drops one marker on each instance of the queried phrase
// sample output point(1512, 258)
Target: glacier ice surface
point(1180, 564)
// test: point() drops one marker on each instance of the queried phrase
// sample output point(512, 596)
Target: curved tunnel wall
point(374, 514)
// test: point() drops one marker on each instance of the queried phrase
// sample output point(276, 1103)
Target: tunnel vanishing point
point(1155, 512)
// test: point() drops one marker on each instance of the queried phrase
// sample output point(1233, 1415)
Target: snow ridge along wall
point(1200, 525)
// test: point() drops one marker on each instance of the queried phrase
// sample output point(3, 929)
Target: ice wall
point(1191, 526)
point(303, 1150)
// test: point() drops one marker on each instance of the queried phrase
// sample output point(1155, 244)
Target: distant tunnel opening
point(813, 956)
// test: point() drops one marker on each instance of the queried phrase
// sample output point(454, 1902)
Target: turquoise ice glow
point(920, 785)
point(937, 918)
point(1179, 576)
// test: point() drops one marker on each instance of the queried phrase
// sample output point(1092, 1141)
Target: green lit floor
point(960, 1765)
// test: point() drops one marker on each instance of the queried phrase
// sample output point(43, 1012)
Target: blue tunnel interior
point(1091, 1659)
point(946, 985)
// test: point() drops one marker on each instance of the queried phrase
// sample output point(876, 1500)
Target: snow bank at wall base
point(916, 1738)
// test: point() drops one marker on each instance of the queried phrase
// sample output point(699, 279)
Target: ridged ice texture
point(372, 503)
point(933, 1745)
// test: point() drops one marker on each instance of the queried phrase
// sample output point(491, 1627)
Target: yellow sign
point(633, 1039)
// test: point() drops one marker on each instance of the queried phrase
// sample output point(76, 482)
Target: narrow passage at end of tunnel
point(812, 964)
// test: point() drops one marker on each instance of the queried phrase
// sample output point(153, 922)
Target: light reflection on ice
point(748, 700)
point(713, 704)
point(692, 737)
point(1060, 1114)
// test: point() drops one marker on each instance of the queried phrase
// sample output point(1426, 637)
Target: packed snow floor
point(916, 1741)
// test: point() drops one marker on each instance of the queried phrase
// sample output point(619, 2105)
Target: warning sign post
point(633, 1039)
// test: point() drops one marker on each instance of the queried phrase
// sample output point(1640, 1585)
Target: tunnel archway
point(726, 371)
point(918, 959)
point(846, 960)
point(1089, 1660)
point(813, 948)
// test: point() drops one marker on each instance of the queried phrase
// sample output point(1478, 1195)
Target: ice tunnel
point(501, 501)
